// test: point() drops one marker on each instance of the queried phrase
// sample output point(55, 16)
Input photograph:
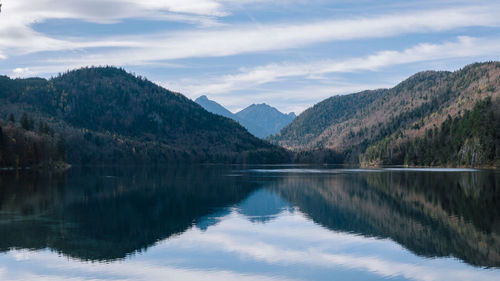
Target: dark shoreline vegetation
point(106, 116)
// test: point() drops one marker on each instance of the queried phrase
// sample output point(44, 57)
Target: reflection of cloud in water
point(283, 243)
point(68, 269)
point(207, 228)
point(289, 244)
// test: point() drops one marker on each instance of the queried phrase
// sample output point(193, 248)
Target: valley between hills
point(106, 116)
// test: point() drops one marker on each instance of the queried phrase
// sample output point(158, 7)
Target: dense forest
point(108, 116)
point(431, 119)
point(24, 145)
point(471, 139)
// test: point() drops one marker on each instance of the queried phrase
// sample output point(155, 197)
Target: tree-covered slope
point(305, 130)
point(107, 115)
point(23, 146)
point(351, 124)
point(471, 139)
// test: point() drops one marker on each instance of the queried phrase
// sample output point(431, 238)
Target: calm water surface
point(260, 223)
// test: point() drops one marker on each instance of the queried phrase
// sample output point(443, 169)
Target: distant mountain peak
point(262, 120)
point(203, 97)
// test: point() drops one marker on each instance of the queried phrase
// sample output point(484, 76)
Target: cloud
point(27, 52)
point(250, 38)
point(18, 16)
point(22, 71)
point(216, 41)
point(249, 78)
point(224, 87)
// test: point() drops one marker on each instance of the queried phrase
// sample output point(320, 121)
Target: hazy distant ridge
point(261, 120)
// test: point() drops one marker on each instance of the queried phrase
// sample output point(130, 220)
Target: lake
point(250, 223)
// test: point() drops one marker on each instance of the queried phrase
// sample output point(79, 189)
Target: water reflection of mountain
point(263, 205)
point(107, 214)
point(432, 214)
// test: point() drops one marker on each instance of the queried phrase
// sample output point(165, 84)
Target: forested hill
point(106, 115)
point(432, 119)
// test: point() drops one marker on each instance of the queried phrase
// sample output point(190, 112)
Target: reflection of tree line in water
point(432, 214)
point(107, 214)
point(102, 217)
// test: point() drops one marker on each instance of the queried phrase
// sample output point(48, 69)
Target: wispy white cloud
point(244, 39)
point(231, 40)
point(224, 87)
point(212, 36)
point(286, 99)
point(18, 16)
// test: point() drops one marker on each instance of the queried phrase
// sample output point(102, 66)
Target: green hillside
point(393, 126)
point(106, 115)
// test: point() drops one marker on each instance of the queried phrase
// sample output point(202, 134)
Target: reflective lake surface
point(250, 223)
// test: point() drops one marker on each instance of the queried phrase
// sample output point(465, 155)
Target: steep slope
point(109, 116)
point(350, 124)
point(470, 139)
point(268, 117)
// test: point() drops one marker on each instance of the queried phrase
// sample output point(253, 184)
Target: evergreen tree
point(44, 128)
point(27, 122)
point(24, 121)
point(1, 136)
point(61, 148)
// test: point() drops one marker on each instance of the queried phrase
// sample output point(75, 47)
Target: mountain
point(261, 120)
point(106, 115)
point(268, 117)
point(433, 118)
point(214, 107)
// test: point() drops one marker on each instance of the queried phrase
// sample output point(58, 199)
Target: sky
point(289, 54)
